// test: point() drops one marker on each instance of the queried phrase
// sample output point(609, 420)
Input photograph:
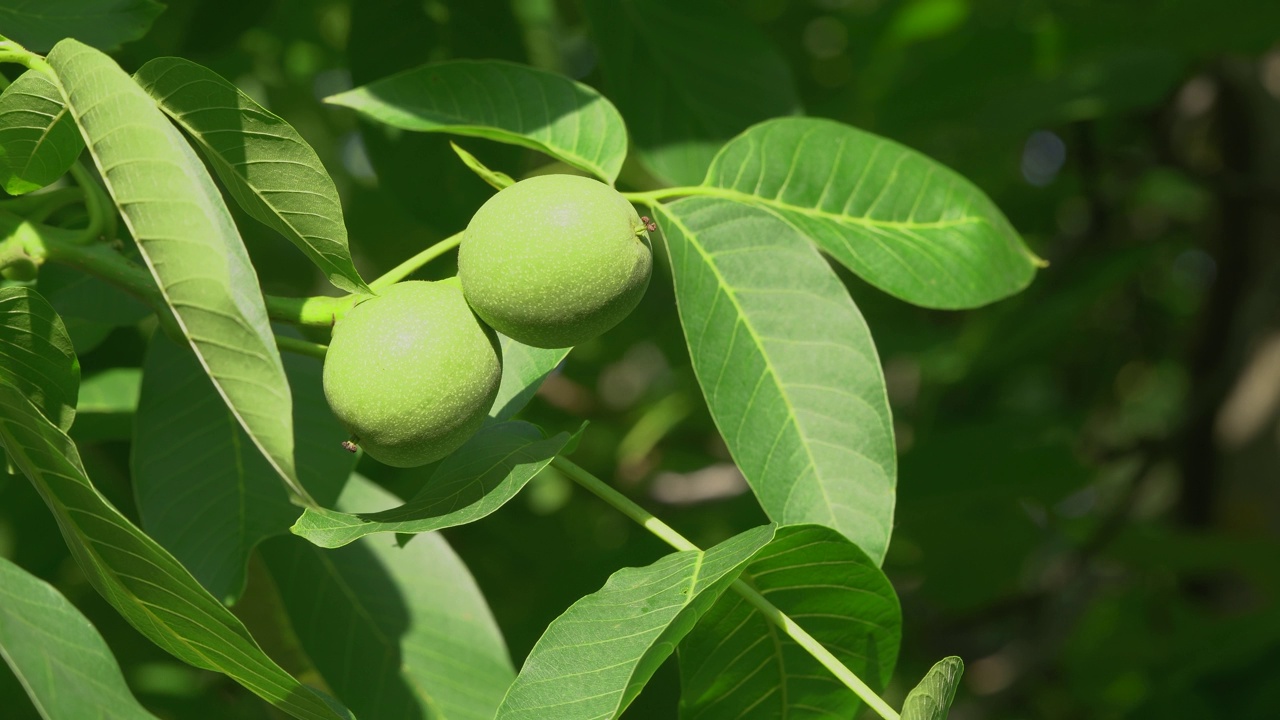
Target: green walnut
point(412, 372)
point(555, 260)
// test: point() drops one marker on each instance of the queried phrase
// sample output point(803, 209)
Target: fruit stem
point(301, 347)
point(771, 612)
point(406, 268)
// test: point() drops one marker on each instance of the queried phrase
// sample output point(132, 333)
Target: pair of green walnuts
point(551, 262)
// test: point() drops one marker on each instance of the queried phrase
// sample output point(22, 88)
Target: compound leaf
point(737, 664)
point(500, 101)
point(788, 368)
point(905, 223)
point(36, 354)
point(57, 655)
point(931, 699)
point(593, 660)
point(38, 138)
point(273, 173)
point(419, 640)
point(189, 242)
point(145, 584)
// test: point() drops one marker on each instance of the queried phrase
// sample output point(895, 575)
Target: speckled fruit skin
point(412, 372)
point(555, 260)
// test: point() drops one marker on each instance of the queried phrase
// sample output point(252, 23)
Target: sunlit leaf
point(788, 368)
point(418, 639)
point(203, 491)
point(736, 664)
point(905, 223)
point(501, 101)
point(687, 75)
point(593, 660)
point(189, 242)
point(523, 369)
point(105, 408)
point(497, 180)
point(104, 24)
point(38, 138)
point(145, 584)
point(269, 169)
point(931, 699)
point(36, 354)
point(474, 481)
point(67, 669)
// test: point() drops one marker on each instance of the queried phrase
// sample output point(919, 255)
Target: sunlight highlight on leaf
point(788, 368)
point(504, 102)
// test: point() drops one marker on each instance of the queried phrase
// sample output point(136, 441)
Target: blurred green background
point(1089, 492)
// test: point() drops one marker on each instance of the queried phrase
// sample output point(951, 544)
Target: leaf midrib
point(768, 362)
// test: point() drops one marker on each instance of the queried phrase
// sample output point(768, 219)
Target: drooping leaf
point(524, 367)
point(36, 354)
point(203, 491)
point(145, 584)
point(104, 24)
point(418, 639)
point(474, 481)
point(189, 242)
point(38, 138)
point(496, 179)
point(500, 101)
point(788, 368)
point(931, 699)
point(905, 223)
point(736, 664)
point(593, 660)
point(273, 173)
point(64, 664)
point(687, 75)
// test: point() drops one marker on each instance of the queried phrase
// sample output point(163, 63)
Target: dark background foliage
point(1088, 490)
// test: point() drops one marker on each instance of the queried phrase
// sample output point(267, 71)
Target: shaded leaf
point(38, 138)
point(78, 295)
point(273, 173)
point(497, 180)
point(64, 664)
point(684, 89)
point(104, 24)
point(203, 491)
point(189, 242)
point(151, 589)
point(737, 664)
point(105, 408)
point(594, 659)
point(419, 640)
point(36, 355)
point(905, 223)
point(931, 699)
point(524, 367)
point(788, 368)
point(500, 101)
point(474, 481)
